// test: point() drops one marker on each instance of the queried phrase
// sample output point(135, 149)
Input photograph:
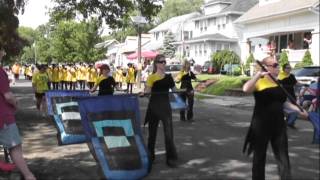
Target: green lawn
point(225, 82)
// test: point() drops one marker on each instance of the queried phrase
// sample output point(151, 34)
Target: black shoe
point(172, 163)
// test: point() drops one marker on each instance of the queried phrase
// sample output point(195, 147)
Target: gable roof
point(241, 5)
point(238, 7)
point(165, 26)
point(266, 11)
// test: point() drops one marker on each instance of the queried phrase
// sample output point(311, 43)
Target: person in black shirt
point(185, 76)
point(267, 124)
point(288, 81)
point(105, 82)
point(159, 109)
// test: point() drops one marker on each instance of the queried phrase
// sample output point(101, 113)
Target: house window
point(219, 46)
point(204, 50)
point(200, 49)
point(227, 19)
point(223, 26)
point(218, 27)
point(205, 22)
point(191, 35)
point(197, 24)
point(157, 35)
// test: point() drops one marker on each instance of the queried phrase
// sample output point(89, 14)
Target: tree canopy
point(111, 12)
point(174, 8)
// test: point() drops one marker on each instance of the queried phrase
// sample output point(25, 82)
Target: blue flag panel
point(63, 108)
point(112, 126)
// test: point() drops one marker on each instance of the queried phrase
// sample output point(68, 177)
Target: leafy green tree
point(73, 42)
point(306, 61)
point(9, 22)
point(111, 12)
point(168, 48)
point(283, 58)
point(223, 57)
point(174, 8)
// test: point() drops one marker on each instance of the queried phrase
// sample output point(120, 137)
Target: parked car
point(208, 67)
point(173, 69)
point(306, 75)
point(231, 69)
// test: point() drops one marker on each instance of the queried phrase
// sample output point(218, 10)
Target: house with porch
point(213, 30)
point(292, 25)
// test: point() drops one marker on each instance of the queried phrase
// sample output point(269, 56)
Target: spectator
point(288, 81)
point(307, 40)
point(9, 133)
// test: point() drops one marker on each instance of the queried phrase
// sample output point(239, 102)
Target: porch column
point(314, 50)
point(245, 49)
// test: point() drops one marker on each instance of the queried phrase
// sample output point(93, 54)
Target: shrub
point(306, 61)
point(223, 57)
point(283, 58)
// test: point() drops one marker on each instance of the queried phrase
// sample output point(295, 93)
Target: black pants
point(190, 97)
point(279, 144)
point(55, 85)
point(82, 84)
point(154, 117)
point(129, 88)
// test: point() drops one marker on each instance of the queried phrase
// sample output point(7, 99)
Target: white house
point(282, 21)
point(112, 49)
point(174, 25)
point(214, 30)
point(130, 45)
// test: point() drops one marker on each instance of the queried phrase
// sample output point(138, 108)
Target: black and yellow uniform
point(185, 79)
point(288, 81)
point(268, 124)
point(159, 109)
point(106, 85)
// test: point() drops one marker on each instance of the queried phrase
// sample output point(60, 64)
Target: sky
point(35, 13)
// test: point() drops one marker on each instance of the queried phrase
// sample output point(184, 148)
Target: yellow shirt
point(153, 78)
point(92, 75)
point(40, 82)
point(282, 75)
point(264, 83)
point(55, 74)
point(119, 76)
point(49, 72)
point(130, 76)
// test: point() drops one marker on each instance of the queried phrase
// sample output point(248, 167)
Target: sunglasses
point(274, 65)
point(161, 62)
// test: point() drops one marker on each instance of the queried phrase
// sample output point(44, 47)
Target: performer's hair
point(263, 61)
point(284, 66)
point(185, 64)
point(157, 59)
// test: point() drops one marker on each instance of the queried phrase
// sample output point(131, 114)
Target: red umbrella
point(144, 54)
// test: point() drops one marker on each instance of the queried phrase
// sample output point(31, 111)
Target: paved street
point(209, 148)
